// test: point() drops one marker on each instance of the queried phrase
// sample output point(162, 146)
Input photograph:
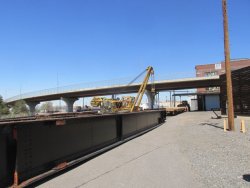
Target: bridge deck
point(77, 91)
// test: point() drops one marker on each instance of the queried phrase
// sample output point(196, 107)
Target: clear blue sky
point(93, 40)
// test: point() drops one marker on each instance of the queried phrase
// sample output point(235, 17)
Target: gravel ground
point(219, 158)
point(189, 150)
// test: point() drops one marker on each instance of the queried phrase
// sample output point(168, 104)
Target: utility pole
point(228, 68)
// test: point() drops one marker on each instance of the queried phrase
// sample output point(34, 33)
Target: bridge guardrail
point(94, 85)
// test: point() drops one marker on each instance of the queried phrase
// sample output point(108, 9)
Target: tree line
point(20, 108)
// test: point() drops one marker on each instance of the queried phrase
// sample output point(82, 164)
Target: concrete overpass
point(71, 94)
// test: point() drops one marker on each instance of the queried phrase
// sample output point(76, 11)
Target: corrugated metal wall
point(241, 91)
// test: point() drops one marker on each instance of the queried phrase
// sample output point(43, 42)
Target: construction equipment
point(137, 102)
point(96, 101)
point(184, 104)
point(113, 105)
point(110, 105)
point(127, 103)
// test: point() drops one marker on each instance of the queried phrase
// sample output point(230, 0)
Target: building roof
point(239, 60)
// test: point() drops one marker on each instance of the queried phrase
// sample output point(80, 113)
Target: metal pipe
point(170, 99)
point(174, 97)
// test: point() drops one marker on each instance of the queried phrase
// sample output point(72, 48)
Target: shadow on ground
point(212, 125)
point(56, 174)
point(246, 177)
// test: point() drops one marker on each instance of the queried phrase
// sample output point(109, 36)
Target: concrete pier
point(69, 103)
point(151, 98)
point(32, 107)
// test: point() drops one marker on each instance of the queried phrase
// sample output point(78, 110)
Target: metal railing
point(96, 85)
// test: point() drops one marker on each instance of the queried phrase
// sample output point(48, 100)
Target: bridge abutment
point(69, 103)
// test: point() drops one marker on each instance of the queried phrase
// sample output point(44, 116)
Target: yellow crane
point(127, 103)
point(137, 101)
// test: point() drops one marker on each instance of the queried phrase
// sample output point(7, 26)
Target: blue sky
point(92, 40)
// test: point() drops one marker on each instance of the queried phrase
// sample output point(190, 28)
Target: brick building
point(209, 98)
point(218, 69)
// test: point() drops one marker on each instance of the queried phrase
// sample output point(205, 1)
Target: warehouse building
point(209, 98)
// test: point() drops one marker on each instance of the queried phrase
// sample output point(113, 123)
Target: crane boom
point(127, 103)
point(142, 89)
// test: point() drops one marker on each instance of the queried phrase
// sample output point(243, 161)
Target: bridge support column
point(32, 107)
point(151, 98)
point(69, 103)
